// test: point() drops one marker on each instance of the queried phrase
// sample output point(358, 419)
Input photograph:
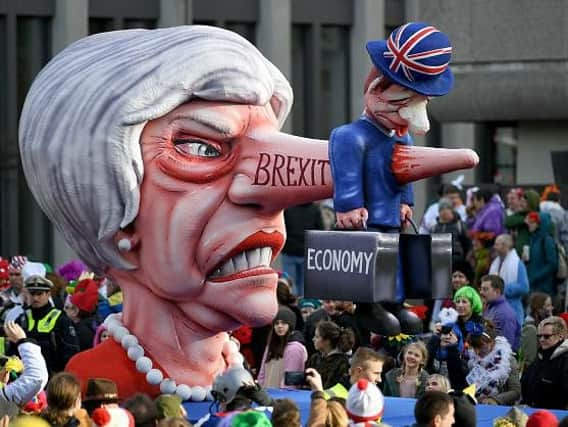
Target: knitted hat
point(542, 418)
point(309, 303)
point(533, 199)
point(168, 405)
point(286, 315)
point(473, 296)
point(101, 389)
point(365, 402)
point(86, 295)
point(112, 417)
point(416, 56)
point(251, 419)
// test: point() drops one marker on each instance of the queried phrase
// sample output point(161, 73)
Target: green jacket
point(391, 386)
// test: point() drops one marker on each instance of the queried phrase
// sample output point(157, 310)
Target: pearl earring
point(124, 245)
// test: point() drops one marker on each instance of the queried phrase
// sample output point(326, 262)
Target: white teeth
point(240, 261)
point(245, 261)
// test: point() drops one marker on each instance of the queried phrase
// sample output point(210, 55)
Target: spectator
point(540, 308)
point(169, 405)
point(410, 379)
point(498, 311)
point(449, 192)
point(509, 267)
point(545, 381)
point(101, 335)
point(286, 298)
point(285, 413)
point(12, 296)
point(513, 200)
point(49, 326)
point(434, 409)
point(234, 391)
point(489, 214)
point(469, 307)
point(365, 404)
point(110, 300)
point(307, 306)
point(365, 364)
point(489, 364)
point(515, 222)
point(542, 257)
point(63, 400)
point(326, 311)
point(284, 352)
point(550, 204)
point(438, 353)
point(298, 219)
point(480, 256)
point(344, 317)
point(449, 221)
point(143, 409)
point(18, 392)
point(100, 392)
point(331, 361)
point(326, 413)
point(80, 307)
point(437, 382)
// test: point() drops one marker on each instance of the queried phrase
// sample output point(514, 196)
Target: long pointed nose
point(411, 164)
point(279, 170)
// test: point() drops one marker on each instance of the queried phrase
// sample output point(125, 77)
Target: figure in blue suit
point(410, 67)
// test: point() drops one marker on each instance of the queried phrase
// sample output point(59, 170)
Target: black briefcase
point(358, 266)
point(426, 263)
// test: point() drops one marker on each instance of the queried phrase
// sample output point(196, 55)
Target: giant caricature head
point(409, 67)
point(154, 137)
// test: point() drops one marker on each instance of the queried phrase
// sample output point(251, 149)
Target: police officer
point(47, 325)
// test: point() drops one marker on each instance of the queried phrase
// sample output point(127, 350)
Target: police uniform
point(50, 328)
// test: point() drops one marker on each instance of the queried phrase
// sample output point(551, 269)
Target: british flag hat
point(417, 56)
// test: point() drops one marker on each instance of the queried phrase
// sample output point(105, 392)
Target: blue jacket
point(360, 156)
point(500, 313)
point(543, 260)
point(515, 291)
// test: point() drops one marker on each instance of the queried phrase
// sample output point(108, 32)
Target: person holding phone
point(285, 352)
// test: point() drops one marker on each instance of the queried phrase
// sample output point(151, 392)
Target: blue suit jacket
point(360, 156)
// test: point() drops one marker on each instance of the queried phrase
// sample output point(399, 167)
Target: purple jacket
point(490, 218)
point(500, 313)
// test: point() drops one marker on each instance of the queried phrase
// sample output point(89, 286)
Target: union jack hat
point(417, 56)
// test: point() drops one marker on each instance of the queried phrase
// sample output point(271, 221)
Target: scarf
point(490, 372)
point(508, 269)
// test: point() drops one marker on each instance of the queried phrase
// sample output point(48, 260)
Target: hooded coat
point(543, 260)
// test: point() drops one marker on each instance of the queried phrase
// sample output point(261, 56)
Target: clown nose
point(411, 164)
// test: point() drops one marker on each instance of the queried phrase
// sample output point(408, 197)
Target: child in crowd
point(410, 379)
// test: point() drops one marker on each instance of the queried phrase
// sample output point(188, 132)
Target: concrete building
point(510, 59)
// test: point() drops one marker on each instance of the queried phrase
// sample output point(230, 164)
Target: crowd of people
point(501, 338)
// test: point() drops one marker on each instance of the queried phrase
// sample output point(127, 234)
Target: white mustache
point(416, 116)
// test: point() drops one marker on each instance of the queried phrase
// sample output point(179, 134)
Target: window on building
point(505, 147)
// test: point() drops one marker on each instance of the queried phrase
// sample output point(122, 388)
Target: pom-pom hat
point(112, 417)
point(365, 402)
point(417, 56)
point(542, 418)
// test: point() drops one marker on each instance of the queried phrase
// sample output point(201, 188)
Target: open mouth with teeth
point(251, 257)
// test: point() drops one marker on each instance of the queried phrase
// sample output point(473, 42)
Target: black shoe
point(410, 323)
point(374, 317)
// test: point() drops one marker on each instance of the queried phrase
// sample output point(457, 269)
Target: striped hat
point(365, 402)
point(417, 56)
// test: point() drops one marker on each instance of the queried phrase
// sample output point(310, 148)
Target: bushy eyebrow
point(212, 120)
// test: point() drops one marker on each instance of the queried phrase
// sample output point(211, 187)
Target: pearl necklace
point(129, 342)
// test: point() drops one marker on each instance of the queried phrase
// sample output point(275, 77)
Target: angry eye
point(196, 147)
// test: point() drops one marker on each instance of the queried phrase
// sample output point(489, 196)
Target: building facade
point(508, 61)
